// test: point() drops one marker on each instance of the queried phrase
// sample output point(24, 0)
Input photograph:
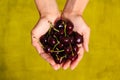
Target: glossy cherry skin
point(65, 40)
point(73, 57)
point(78, 38)
point(52, 41)
point(61, 32)
point(60, 46)
point(59, 24)
point(47, 49)
point(68, 50)
point(75, 48)
point(71, 38)
point(69, 28)
point(43, 40)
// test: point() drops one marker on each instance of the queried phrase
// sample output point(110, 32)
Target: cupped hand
point(40, 29)
point(82, 28)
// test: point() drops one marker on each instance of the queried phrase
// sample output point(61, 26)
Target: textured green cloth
point(20, 61)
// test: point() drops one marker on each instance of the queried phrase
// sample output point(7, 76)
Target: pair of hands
point(43, 26)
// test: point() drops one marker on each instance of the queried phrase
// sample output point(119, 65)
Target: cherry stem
point(65, 29)
point(57, 51)
point(72, 50)
point(57, 57)
point(56, 39)
point(56, 29)
point(50, 27)
point(63, 56)
point(42, 46)
point(50, 23)
point(55, 45)
point(38, 42)
point(57, 48)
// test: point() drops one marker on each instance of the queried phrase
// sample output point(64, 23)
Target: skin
point(49, 12)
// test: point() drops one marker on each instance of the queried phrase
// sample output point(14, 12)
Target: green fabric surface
point(20, 61)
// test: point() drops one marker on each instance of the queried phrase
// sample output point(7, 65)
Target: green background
point(20, 61)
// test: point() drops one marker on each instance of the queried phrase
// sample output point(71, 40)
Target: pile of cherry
point(61, 42)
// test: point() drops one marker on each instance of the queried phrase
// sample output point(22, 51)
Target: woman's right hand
point(40, 29)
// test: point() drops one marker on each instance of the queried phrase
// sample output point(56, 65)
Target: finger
point(86, 36)
point(56, 67)
point(79, 46)
point(80, 49)
point(36, 44)
point(48, 58)
point(41, 28)
point(66, 64)
point(75, 63)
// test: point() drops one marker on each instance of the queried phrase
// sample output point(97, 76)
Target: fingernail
point(40, 52)
point(52, 64)
point(55, 68)
point(87, 49)
point(58, 66)
point(72, 68)
point(64, 68)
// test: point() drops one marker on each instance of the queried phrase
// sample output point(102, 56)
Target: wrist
point(67, 14)
point(75, 7)
point(50, 14)
point(46, 7)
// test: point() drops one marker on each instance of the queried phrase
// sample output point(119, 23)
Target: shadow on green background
point(20, 61)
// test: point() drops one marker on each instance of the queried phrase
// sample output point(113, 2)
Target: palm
point(41, 28)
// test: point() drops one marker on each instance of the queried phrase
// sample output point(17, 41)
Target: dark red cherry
point(75, 48)
point(55, 34)
point(43, 40)
point(69, 28)
point(59, 37)
point(60, 46)
point(61, 32)
point(69, 32)
point(71, 39)
point(68, 50)
point(73, 57)
point(52, 41)
point(59, 24)
point(78, 38)
point(57, 58)
point(65, 40)
point(47, 49)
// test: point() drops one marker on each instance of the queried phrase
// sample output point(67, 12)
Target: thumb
point(86, 36)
